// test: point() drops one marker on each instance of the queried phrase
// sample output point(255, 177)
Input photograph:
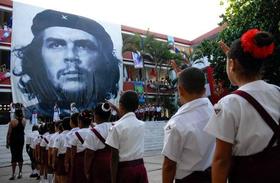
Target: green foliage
point(240, 16)
point(148, 46)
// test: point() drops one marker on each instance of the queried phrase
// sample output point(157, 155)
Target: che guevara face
point(69, 56)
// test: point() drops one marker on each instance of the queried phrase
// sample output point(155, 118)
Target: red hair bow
point(248, 44)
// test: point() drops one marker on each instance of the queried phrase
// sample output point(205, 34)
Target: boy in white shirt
point(126, 139)
point(29, 138)
point(188, 150)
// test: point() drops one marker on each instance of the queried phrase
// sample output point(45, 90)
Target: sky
point(186, 19)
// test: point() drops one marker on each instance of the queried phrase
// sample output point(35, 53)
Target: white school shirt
point(92, 142)
point(60, 141)
point(70, 136)
point(36, 141)
point(30, 137)
point(76, 142)
point(185, 142)
point(237, 122)
point(127, 135)
point(52, 139)
point(43, 142)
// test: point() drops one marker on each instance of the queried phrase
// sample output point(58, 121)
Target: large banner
point(59, 59)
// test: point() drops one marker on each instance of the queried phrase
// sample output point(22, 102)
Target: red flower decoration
point(248, 44)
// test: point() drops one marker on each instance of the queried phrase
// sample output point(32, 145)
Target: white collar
point(191, 105)
point(252, 85)
point(127, 115)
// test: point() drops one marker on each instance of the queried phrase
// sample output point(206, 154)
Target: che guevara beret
point(51, 18)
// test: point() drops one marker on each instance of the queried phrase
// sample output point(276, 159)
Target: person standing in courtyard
point(246, 122)
point(15, 140)
point(98, 153)
point(188, 150)
point(126, 139)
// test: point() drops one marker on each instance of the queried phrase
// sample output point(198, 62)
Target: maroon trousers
point(197, 177)
point(132, 172)
point(59, 165)
point(78, 173)
point(101, 171)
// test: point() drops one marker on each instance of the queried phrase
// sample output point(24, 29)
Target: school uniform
point(78, 173)
point(69, 137)
point(187, 144)
point(35, 145)
point(237, 122)
point(29, 139)
point(59, 162)
point(44, 145)
point(127, 135)
point(95, 141)
point(52, 138)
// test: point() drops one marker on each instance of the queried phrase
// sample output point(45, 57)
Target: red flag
point(153, 72)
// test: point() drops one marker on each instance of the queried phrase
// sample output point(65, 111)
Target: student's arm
point(114, 108)
point(221, 161)
point(168, 170)
point(50, 156)
point(114, 164)
point(89, 156)
point(54, 154)
point(67, 159)
point(73, 152)
point(224, 47)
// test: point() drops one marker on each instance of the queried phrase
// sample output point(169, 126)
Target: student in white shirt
point(29, 138)
point(188, 150)
point(98, 154)
point(50, 149)
point(245, 150)
point(126, 139)
point(59, 151)
point(77, 149)
point(43, 151)
point(70, 135)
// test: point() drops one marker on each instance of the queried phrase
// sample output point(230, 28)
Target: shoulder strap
point(264, 114)
point(79, 137)
point(46, 140)
point(98, 135)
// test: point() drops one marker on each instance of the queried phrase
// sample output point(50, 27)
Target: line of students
point(78, 152)
point(244, 123)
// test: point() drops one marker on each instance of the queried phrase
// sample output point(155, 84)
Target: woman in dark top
point(15, 140)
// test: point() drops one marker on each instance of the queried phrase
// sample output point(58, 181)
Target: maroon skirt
point(59, 165)
point(101, 171)
point(132, 171)
point(78, 173)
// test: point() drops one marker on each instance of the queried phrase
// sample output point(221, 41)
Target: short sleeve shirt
point(237, 122)
point(60, 141)
point(92, 142)
point(127, 135)
point(45, 140)
point(185, 142)
point(70, 136)
point(52, 139)
point(76, 142)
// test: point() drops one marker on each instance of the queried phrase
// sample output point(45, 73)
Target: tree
point(151, 49)
point(241, 15)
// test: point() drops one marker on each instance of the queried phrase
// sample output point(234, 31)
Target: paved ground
point(153, 159)
point(152, 164)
